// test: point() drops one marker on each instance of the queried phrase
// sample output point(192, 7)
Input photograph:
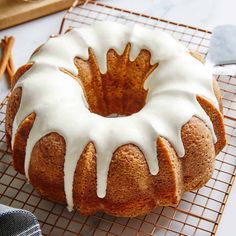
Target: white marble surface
point(201, 13)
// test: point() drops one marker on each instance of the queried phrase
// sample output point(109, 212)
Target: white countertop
point(202, 13)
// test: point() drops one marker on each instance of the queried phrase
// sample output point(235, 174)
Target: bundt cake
point(114, 118)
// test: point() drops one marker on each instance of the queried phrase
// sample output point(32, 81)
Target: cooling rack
point(198, 213)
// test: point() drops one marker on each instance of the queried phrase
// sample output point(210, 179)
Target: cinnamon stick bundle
point(6, 63)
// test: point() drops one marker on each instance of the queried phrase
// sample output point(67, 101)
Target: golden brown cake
point(116, 119)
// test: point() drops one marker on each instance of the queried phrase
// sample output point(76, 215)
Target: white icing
point(56, 97)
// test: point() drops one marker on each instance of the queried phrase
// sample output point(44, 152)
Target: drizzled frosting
point(56, 97)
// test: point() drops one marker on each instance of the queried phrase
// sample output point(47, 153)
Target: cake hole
point(120, 91)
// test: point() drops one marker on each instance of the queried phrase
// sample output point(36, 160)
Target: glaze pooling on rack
point(171, 100)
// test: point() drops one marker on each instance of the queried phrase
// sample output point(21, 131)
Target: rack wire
point(198, 212)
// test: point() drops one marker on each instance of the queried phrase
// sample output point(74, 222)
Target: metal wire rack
point(198, 213)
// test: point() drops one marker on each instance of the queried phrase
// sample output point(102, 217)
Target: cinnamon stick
point(10, 75)
point(11, 64)
point(10, 68)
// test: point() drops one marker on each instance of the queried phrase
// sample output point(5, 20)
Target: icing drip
point(56, 97)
